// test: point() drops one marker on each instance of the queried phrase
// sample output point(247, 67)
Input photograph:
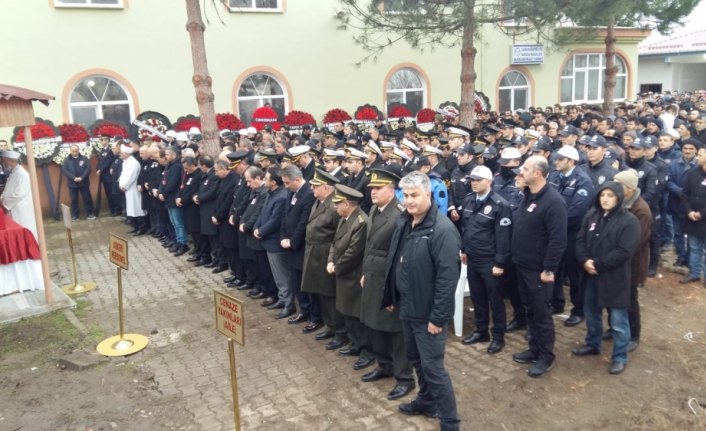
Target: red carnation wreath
point(399, 111)
point(425, 119)
point(367, 114)
point(45, 141)
point(183, 124)
point(229, 121)
point(264, 116)
point(115, 130)
point(73, 134)
point(334, 116)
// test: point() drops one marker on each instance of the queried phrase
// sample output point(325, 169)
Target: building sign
point(229, 316)
point(527, 54)
point(117, 247)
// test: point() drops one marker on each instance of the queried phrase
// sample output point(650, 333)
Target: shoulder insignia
point(400, 207)
point(360, 219)
point(582, 192)
point(505, 221)
point(367, 174)
point(641, 174)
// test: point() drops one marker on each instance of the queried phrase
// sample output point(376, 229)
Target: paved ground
point(287, 380)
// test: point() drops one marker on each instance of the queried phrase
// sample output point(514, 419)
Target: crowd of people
point(360, 233)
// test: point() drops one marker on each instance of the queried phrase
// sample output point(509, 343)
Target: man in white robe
point(128, 184)
point(17, 197)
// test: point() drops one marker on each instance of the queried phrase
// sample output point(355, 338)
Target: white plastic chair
point(461, 292)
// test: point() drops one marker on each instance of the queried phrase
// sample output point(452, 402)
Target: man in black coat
point(242, 259)
point(220, 217)
point(184, 200)
point(142, 185)
point(292, 234)
point(105, 162)
point(538, 244)
point(264, 286)
point(168, 189)
point(206, 198)
point(423, 267)
point(116, 168)
point(359, 177)
point(694, 193)
point(77, 169)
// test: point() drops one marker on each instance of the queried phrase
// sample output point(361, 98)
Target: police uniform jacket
point(77, 167)
point(677, 178)
point(346, 253)
point(252, 211)
point(610, 242)
point(320, 230)
point(115, 170)
point(539, 232)
point(577, 191)
point(171, 181)
point(360, 182)
point(460, 185)
point(440, 169)
point(381, 226)
point(105, 162)
point(486, 227)
point(221, 211)
point(695, 200)
point(269, 221)
point(663, 176)
point(143, 180)
point(189, 187)
point(296, 216)
point(423, 267)
point(504, 185)
point(600, 172)
point(648, 180)
point(155, 177)
point(208, 197)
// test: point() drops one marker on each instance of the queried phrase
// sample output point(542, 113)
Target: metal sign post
point(76, 287)
point(122, 344)
point(230, 322)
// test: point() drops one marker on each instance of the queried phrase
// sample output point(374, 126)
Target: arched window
point(582, 78)
point(407, 87)
point(99, 97)
point(514, 92)
point(260, 89)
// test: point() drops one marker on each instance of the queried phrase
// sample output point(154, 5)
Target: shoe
point(400, 390)
point(299, 318)
point(557, 310)
point(254, 293)
point(285, 312)
point(182, 250)
point(573, 320)
point(325, 335)
point(336, 344)
point(585, 350)
point(203, 263)
point(174, 248)
point(240, 283)
point(231, 279)
point(132, 231)
point(230, 285)
point(193, 258)
point(74, 218)
point(211, 264)
point(349, 351)
point(516, 325)
point(219, 268)
point(652, 272)
point(140, 233)
point(192, 251)
point(242, 286)
point(689, 279)
point(496, 346)
point(617, 368)
point(91, 217)
point(607, 335)
point(258, 295)
point(363, 363)
point(168, 244)
point(268, 301)
point(276, 305)
point(414, 408)
point(476, 337)
point(680, 262)
point(525, 357)
point(312, 326)
point(375, 375)
point(539, 368)
point(634, 344)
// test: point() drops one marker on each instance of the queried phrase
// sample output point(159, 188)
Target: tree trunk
point(468, 72)
point(610, 70)
point(202, 80)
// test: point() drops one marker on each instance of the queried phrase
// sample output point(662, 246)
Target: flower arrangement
point(45, 141)
point(183, 124)
point(425, 119)
point(109, 128)
point(399, 111)
point(334, 116)
point(367, 114)
point(296, 120)
point(73, 134)
point(229, 121)
point(264, 116)
point(153, 119)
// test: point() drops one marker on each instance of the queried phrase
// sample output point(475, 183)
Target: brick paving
point(287, 380)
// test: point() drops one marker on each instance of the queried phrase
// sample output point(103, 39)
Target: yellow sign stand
point(230, 322)
point(86, 286)
point(122, 344)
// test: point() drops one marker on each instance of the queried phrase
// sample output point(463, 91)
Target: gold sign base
point(122, 346)
point(71, 289)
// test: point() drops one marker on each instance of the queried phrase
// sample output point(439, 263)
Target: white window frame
point(404, 91)
point(254, 8)
point(512, 89)
point(98, 104)
point(261, 98)
point(601, 76)
point(120, 4)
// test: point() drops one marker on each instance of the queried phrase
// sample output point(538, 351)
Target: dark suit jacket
point(208, 193)
point(269, 222)
point(189, 187)
point(293, 227)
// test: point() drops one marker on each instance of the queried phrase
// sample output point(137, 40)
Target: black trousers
point(510, 291)
point(486, 297)
point(113, 206)
point(570, 269)
point(333, 319)
point(634, 314)
point(87, 200)
point(267, 280)
point(359, 335)
point(391, 355)
point(537, 297)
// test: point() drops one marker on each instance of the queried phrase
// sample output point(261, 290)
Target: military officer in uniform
point(105, 161)
point(332, 161)
point(345, 261)
point(302, 157)
point(359, 177)
point(598, 168)
point(460, 180)
point(385, 328)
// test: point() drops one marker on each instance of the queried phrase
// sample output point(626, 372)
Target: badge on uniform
point(294, 200)
point(582, 192)
point(205, 183)
point(601, 179)
point(531, 207)
point(487, 209)
point(505, 221)
point(252, 202)
point(592, 227)
point(641, 174)
point(703, 183)
point(188, 182)
point(80, 163)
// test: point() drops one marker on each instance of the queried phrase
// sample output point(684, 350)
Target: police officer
point(576, 188)
point(460, 180)
point(105, 162)
point(659, 204)
point(598, 168)
point(485, 246)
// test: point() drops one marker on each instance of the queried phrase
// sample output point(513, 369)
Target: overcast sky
point(693, 22)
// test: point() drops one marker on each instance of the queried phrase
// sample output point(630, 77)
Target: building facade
point(112, 59)
point(676, 63)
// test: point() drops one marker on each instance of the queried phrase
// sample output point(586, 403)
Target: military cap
point(504, 142)
point(508, 154)
point(372, 146)
point(478, 149)
point(532, 134)
point(322, 177)
point(569, 130)
point(330, 154)
point(345, 193)
point(393, 134)
point(422, 161)
point(597, 141)
point(443, 142)
point(327, 133)
point(507, 124)
point(481, 141)
point(421, 134)
point(11, 155)
point(298, 150)
point(428, 150)
point(399, 154)
point(267, 152)
point(409, 144)
point(491, 128)
point(389, 174)
point(235, 158)
point(455, 132)
point(355, 154)
point(387, 146)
